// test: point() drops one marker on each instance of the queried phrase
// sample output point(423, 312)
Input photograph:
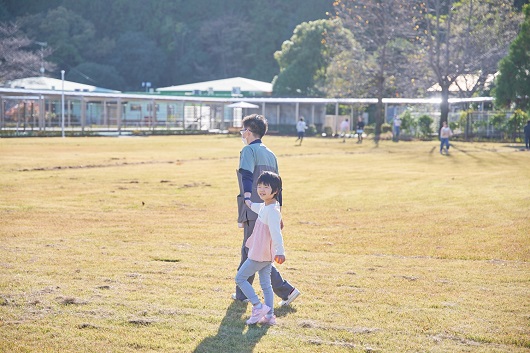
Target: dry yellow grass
point(131, 245)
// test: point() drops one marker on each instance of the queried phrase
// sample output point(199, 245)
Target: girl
point(265, 246)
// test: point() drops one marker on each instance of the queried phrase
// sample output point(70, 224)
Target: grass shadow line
point(231, 335)
point(464, 152)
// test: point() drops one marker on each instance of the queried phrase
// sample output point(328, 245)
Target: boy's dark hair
point(273, 180)
point(256, 123)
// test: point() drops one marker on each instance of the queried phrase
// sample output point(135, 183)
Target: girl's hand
point(280, 259)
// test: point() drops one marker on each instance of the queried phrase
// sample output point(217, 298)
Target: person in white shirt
point(265, 246)
point(300, 129)
point(445, 133)
point(344, 128)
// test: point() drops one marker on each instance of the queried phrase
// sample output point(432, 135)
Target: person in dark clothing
point(360, 130)
point(527, 135)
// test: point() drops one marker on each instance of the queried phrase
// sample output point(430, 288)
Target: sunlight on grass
point(131, 245)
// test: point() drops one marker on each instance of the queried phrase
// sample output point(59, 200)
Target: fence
point(468, 125)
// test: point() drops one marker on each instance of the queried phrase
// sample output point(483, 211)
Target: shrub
point(498, 121)
point(424, 125)
point(408, 124)
point(369, 130)
point(328, 131)
point(516, 122)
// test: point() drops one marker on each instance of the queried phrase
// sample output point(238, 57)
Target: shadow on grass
point(284, 310)
point(515, 146)
point(464, 151)
point(231, 335)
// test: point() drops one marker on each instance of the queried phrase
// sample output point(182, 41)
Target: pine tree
point(513, 82)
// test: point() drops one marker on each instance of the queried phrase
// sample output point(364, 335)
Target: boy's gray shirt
point(256, 158)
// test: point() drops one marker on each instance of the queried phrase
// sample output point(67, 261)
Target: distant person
point(360, 130)
point(445, 134)
point(254, 159)
point(265, 245)
point(397, 128)
point(300, 129)
point(527, 135)
point(344, 128)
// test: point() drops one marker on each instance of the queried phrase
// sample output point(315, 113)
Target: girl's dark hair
point(273, 180)
point(256, 123)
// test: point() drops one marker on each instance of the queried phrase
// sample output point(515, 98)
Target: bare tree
point(468, 37)
point(384, 29)
point(16, 59)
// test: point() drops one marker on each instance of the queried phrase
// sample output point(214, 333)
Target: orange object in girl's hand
point(280, 259)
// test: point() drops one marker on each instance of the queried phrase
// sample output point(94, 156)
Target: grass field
point(131, 245)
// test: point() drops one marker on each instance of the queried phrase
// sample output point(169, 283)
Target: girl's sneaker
point(258, 314)
point(268, 320)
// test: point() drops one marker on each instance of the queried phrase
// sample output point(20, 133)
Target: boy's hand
point(280, 259)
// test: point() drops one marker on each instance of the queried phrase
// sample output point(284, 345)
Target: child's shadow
point(230, 336)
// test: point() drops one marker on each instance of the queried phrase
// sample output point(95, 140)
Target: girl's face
point(265, 193)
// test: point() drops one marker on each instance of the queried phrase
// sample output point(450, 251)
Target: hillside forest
point(121, 43)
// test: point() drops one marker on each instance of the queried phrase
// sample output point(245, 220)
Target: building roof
point(48, 83)
point(224, 85)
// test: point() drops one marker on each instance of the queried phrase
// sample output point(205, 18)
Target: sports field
point(131, 245)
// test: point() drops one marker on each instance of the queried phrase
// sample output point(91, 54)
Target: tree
point(384, 29)
point(344, 73)
point(278, 19)
point(16, 59)
point(513, 82)
point(248, 33)
point(138, 59)
point(68, 33)
point(467, 37)
point(178, 28)
point(304, 59)
point(4, 13)
point(224, 47)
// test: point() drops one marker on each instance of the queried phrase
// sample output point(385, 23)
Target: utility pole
point(42, 45)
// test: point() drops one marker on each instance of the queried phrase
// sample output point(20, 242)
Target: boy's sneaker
point(294, 294)
point(258, 314)
point(268, 320)
point(234, 297)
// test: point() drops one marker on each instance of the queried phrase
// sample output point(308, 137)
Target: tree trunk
point(379, 118)
point(444, 106)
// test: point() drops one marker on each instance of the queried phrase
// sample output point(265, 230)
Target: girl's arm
point(254, 206)
point(273, 221)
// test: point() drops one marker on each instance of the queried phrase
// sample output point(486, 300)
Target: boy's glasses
point(242, 131)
